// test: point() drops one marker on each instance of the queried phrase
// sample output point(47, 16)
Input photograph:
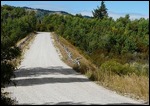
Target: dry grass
point(75, 53)
point(16, 62)
point(133, 86)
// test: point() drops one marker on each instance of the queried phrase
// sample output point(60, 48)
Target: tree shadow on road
point(26, 72)
point(50, 75)
point(82, 103)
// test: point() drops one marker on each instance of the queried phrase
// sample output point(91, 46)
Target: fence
point(69, 54)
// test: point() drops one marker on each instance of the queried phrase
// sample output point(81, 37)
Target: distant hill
point(42, 12)
point(45, 12)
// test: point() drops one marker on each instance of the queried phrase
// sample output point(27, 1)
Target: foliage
point(116, 68)
point(100, 12)
point(16, 23)
point(124, 69)
point(113, 39)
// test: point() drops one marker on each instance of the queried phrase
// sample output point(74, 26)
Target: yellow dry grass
point(134, 86)
point(25, 46)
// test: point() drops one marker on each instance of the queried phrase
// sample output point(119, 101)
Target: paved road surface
point(44, 79)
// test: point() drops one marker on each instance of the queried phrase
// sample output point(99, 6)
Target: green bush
point(124, 69)
point(140, 69)
point(116, 68)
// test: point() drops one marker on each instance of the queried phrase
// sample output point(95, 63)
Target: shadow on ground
point(26, 72)
point(82, 103)
point(39, 76)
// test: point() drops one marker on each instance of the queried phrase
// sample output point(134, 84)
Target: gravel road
point(43, 79)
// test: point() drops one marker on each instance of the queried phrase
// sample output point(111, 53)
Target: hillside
point(44, 12)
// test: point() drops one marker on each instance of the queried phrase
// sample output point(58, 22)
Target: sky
point(116, 9)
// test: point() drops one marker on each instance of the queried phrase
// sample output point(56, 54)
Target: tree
point(16, 23)
point(79, 15)
point(100, 12)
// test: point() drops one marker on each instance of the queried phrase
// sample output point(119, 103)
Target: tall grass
point(16, 62)
point(130, 85)
point(125, 69)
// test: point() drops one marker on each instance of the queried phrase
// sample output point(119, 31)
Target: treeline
point(101, 36)
point(16, 23)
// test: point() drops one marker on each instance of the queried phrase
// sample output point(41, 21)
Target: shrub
point(115, 67)
point(140, 69)
point(82, 68)
point(94, 76)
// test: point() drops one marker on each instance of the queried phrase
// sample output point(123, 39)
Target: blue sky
point(136, 9)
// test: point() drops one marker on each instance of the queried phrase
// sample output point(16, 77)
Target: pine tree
point(100, 12)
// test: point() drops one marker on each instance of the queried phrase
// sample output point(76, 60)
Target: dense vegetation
point(119, 48)
point(16, 23)
point(103, 39)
